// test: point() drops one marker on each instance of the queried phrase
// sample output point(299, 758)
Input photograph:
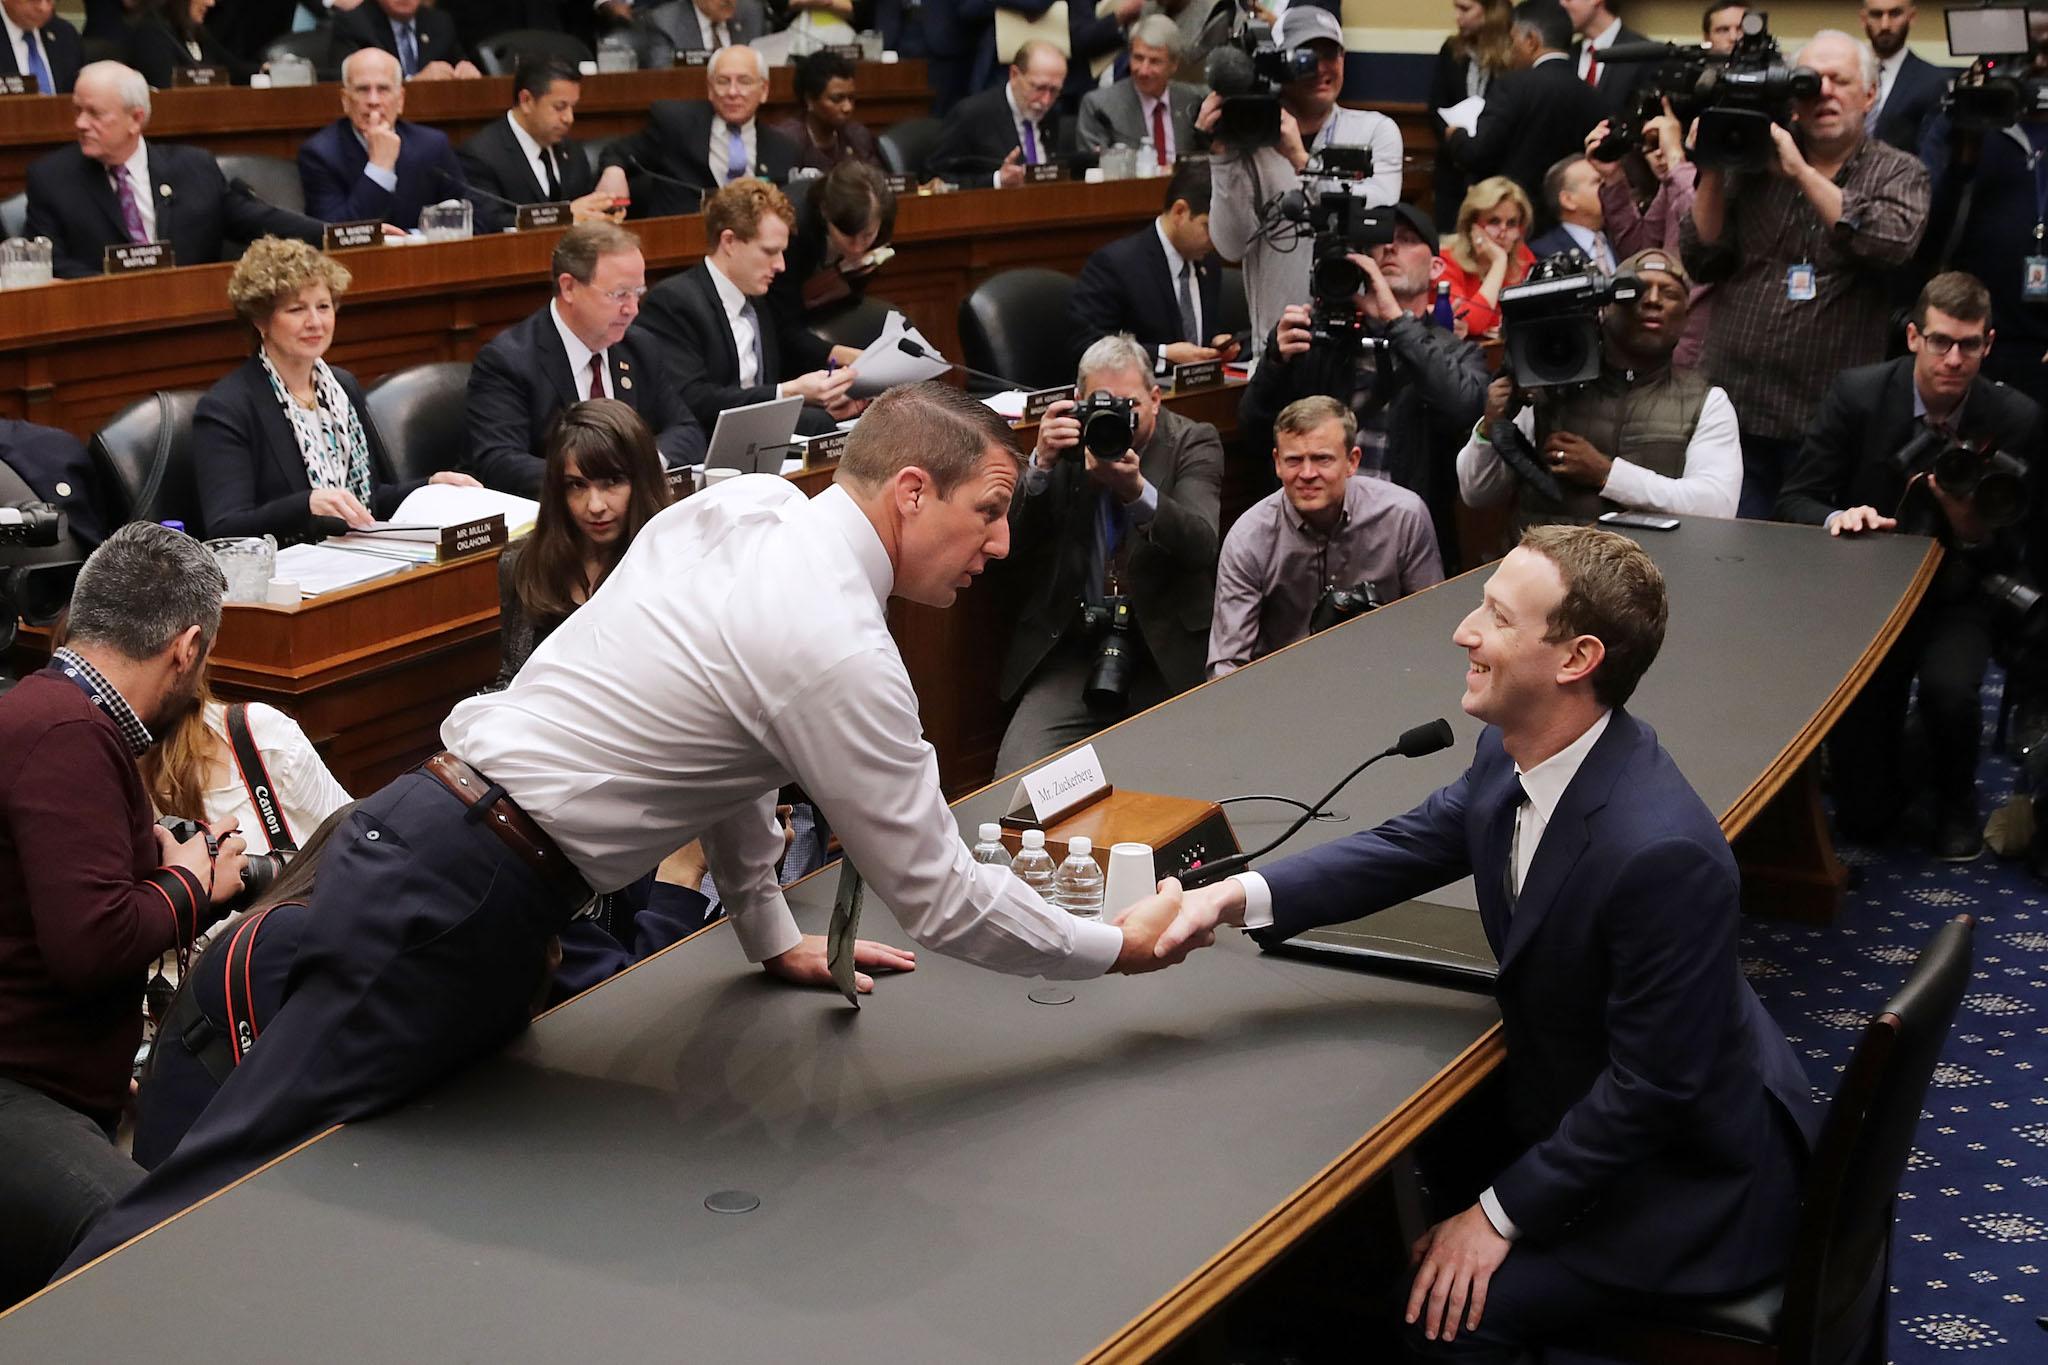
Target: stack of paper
point(885, 364)
point(414, 531)
point(319, 569)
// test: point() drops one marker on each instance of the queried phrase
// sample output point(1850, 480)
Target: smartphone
point(1641, 521)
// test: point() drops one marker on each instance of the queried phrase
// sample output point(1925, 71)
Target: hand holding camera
point(1500, 398)
point(1574, 458)
point(1292, 337)
point(1059, 431)
point(215, 854)
point(1380, 303)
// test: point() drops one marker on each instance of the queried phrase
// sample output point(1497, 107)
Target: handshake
point(1165, 927)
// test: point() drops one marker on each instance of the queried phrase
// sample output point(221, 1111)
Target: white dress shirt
point(1174, 262)
point(717, 32)
point(1887, 74)
point(716, 158)
point(745, 326)
point(384, 177)
point(1600, 44)
point(145, 192)
point(1145, 107)
point(1592, 244)
point(1710, 486)
point(580, 357)
point(21, 38)
point(535, 154)
point(654, 716)
point(1017, 121)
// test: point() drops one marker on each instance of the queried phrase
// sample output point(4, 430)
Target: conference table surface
point(954, 1172)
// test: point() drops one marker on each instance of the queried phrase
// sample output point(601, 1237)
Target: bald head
point(109, 106)
point(372, 89)
point(738, 77)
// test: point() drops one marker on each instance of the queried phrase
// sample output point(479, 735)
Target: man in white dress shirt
point(651, 717)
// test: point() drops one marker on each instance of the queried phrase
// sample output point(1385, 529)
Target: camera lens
point(1335, 279)
point(1107, 432)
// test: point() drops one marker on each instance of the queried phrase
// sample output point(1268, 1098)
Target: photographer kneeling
point(1640, 433)
point(1926, 446)
point(91, 889)
point(1414, 388)
point(1113, 543)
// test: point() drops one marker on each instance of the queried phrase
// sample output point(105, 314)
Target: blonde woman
point(1487, 252)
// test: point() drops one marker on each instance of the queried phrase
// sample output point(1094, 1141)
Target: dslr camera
point(1999, 88)
point(1108, 425)
point(1550, 323)
point(1109, 679)
point(259, 870)
point(1992, 482)
point(1247, 70)
point(1338, 605)
point(1736, 96)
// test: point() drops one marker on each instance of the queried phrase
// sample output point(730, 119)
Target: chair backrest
point(594, 149)
point(144, 460)
point(275, 179)
point(420, 414)
point(652, 48)
point(855, 325)
point(1837, 1269)
point(906, 146)
point(1233, 311)
point(1014, 324)
point(500, 53)
point(315, 45)
point(14, 215)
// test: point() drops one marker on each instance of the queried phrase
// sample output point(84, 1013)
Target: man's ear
point(187, 649)
point(1585, 655)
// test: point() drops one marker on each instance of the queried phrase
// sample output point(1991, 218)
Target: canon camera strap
point(256, 777)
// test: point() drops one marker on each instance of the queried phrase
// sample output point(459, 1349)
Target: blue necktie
point(37, 67)
point(735, 153)
point(408, 50)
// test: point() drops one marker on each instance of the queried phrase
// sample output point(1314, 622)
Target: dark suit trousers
point(422, 953)
point(1946, 646)
point(1051, 713)
point(1765, 460)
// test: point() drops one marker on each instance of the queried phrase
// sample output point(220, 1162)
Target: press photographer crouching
point(91, 890)
point(1113, 551)
point(1925, 445)
point(1325, 548)
point(1592, 415)
point(1415, 388)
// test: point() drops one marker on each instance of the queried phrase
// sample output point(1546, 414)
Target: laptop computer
point(754, 439)
point(1442, 944)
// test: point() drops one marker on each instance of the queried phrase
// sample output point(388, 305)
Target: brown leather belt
point(513, 825)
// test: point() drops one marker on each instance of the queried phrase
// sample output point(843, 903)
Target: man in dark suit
point(1534, 115)
point(370, 163)
point(1138, 525)
point(710, 25)
point(528, 157)
point(1909, 88)
point(1147, 103)
point(1571, 200)
point(575, 348)
point(1847, 480)
point(423, 40)
point(1596, 28)
point(1656, 1121)
point(115, 188)
point(691, 145)
point(40, 45)
point(1161, 284)
point(991, 137)
point(725, 352)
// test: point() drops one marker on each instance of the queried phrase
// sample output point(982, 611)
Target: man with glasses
point(1847, 478)
point(992, 137)
point(371, 162)
point(573, 349)
point(699, 145)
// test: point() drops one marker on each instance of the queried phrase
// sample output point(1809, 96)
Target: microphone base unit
point(1184, 832)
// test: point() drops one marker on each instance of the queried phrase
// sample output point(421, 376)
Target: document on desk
point(319, 569)
point(884, 364)
point(1464, 114)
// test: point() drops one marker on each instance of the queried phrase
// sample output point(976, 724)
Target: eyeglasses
point(619, 296)
point(735, 85)
point(1940, 343)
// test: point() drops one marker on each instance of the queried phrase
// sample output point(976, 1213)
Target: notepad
point(319, 569)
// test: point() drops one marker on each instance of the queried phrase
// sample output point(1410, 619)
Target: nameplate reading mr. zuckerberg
point(121, 260)
point(555, 214)
point(472, 537)
point(348, 236)
point(1064, 785)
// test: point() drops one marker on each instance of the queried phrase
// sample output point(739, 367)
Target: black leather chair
point(499, 54)
point(906, 146)
point(14, 215)
point(420, 413)
point(144, 460)
point(855, 325)
point(1014, 324)
point(1829, 1310)
point(273, 179)
point(1233, 311)
point(315, 45)
point(593, 150)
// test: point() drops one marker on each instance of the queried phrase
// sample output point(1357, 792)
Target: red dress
point(1480, 316)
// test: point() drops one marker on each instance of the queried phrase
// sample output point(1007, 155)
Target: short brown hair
point(1957, 293)
point(576, 255)
point(274, 269)
point(740, 207)
point(1304, 415)
point(1614, 592)
point(930, 426)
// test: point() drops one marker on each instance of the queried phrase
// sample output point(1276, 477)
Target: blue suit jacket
point(1665, 1116)
point(331, 168)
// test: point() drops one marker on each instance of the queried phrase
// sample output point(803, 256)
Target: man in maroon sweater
point(91, 890)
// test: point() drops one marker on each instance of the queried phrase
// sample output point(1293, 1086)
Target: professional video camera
point(1331, 211)
point(1992, 482)
point(1338, 605)
point(1247, 70)
point(2000, 87)
point(1735, 96)
point(38, 560)
point(1550, 323)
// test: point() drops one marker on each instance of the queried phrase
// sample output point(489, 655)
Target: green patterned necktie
point(845, 924)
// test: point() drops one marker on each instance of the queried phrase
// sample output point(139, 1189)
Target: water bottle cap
point(1034, 838)
point(173, 525)
point(991, 833)
point(1080, 846)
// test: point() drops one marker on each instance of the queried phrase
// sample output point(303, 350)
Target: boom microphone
point(468, 189)
point(1229, 71)
point(909, 347)
point(636, 164)
point(1415, 743)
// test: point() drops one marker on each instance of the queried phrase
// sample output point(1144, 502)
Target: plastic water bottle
point(1077, 889)
point(990, 848)
point(1033, 865)
point(1442, 317)
point(1145, 165)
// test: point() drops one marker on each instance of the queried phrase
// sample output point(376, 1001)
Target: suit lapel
point(625, 379)
point(1565, 838)
point(707, 292)
point(1490, 855)
point(163, 194)
point(554, 359)
point(101, 192)
point(279, 434)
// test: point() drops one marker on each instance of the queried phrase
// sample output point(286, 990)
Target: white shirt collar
point(729, 294)
point(1016, 115)
point(1889, 66)
point(579, 354)
point(14, 30)
point(1173, 258)
point(138, 169)
point(836, 507)
point(1550, 57)
point(1546, 782)
point(1583, 237)
point(708, 26)
point(1607, 35)
point(527, 146)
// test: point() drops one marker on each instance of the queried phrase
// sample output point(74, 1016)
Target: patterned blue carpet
point(1970, 1255)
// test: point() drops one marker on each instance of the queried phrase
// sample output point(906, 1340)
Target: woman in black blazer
point(286, 437)
point(1468, 63)
point(845, 215)
point(172, 33)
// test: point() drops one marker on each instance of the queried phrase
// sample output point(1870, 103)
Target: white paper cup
point(283, 592)
point(1130, 878)
point(714, 477)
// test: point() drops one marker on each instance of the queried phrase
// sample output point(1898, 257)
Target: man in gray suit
point(1148, 103)
point(708, 25)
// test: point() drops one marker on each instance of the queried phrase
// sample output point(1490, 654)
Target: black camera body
point(259, 870)
point(1340, 223)
point(39, 559)
point(1109, 679)
point(1550, 323)
point(1994, 93)
point(1108, 425)
point(1248, 70)
point(1991, 481)
point(1735, 96)
point(1338, 605)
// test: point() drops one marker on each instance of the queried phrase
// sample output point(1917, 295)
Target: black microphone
point(634, 163)
point(1423, 739)
point(909, 347)
point(469, 189)
point(1229, 71)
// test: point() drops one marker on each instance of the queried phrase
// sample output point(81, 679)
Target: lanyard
point(85, 684)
